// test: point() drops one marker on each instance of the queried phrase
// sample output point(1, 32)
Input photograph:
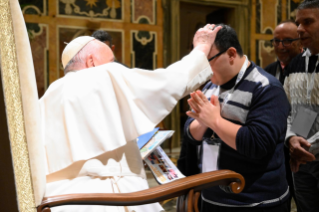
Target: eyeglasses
point(285, 42)
point(212, 58)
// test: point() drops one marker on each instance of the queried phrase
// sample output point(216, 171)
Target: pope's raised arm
point(155, 93)
point(204, 38)
point(91, 116)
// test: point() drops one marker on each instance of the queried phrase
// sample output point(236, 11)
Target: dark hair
point(288, 21)
point(226, 37)
point(102, 36)
point(308, 4)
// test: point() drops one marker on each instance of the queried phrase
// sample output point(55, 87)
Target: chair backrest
point(22, 109)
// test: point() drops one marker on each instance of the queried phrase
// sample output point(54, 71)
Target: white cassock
point(92, 117)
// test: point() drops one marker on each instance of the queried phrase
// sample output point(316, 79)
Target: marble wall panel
point(267, 12)
point(293, 8)
point(144, 49)
point(258, 17)
point(144, 11)
point(265, 53)
point(101, 9)
point(34, 6)
point(38, 34)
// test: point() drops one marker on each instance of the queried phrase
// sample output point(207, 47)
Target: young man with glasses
point(286, 43)
point(239, 123)
point(287, 46)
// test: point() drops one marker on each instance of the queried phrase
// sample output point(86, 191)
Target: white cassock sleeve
point(93, 111)
point(147, 97)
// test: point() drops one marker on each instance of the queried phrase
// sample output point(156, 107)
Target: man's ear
point(113, 48)
point(232, 54)
point(90, 61)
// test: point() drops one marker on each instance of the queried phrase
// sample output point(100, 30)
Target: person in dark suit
point(287, 46)
point(104, 37)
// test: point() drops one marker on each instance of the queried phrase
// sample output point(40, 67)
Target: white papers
point(314, 148)
point(313, 138)
point(303, 121)
point(210, 157)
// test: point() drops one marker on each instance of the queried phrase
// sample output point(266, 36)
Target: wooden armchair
point(187, 189)
point(27, 151)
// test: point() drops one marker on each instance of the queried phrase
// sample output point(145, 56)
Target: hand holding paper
point(298, 148)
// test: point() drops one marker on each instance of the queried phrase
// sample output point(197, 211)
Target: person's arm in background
point(297, 145)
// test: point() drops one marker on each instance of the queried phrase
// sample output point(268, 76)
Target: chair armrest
point(179, 187)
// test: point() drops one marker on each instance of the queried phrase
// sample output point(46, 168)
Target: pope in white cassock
point(92, 116)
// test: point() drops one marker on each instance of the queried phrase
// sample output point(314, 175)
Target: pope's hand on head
point(204, 38)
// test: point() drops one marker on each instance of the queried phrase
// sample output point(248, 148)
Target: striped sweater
point(260, 105)
point(296, 88)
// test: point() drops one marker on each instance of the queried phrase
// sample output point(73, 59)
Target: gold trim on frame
point(14, 111)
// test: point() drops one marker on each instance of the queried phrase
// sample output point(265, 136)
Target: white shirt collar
point(307, 53)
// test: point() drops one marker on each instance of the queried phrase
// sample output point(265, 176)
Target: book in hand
point(163, 169)
point(158, 138)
